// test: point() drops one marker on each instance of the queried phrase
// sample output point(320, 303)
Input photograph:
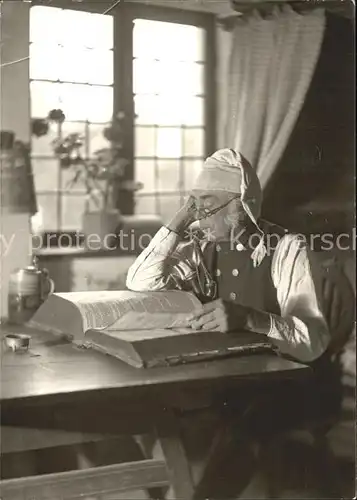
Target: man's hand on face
point(220, 315)
point(184, 217)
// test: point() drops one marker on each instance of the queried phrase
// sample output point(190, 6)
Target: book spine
point(49, 329)
point(135, 362)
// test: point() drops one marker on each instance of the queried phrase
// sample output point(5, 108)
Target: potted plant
point(103, 175)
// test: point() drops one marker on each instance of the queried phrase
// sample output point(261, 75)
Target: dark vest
point(236, 277)
point(240, 282)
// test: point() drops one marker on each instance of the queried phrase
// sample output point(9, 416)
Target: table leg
point(211, 472)
point(178, 468)
point(150, 448)
point(229, 466)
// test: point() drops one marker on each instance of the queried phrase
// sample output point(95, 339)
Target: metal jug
point(28, 289)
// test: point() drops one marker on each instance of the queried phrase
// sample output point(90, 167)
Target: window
point(157, 75)
point(73, 73)
point(169, 96)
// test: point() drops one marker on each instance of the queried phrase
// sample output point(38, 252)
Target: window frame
point(124, 15)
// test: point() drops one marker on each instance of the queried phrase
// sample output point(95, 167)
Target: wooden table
point(57, 389)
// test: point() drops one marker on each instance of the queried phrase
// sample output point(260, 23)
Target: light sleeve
point(301, 330)
point(151, 269)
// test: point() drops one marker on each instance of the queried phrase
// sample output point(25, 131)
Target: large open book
point(144, 329)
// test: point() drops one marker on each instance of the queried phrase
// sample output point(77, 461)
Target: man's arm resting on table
point(291, 335)
point(301, 331)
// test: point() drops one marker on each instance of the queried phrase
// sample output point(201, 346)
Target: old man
point(250, 275)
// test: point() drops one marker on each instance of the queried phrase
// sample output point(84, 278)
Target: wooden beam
point(178, 467)
point(95, 481)
point(107, 418)
point(20, 439)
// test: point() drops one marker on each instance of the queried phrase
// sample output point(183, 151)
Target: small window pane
point(51, 24)
point(96, 138)
point(102, 34)
point(192, 44)
point(45, 24)
point(86, 66)
point(169, 142)
point(193, 78)
point(193, 142)
point(100, 69)
point(85, 102)
point(145, 173)
point(181, 110)
point(143, 31)
point(45, 173)
point(169, 110)
point(74, 65)
point(99, 104)
point(44, 97)
point(169, 41)
point(145, 76)
point(159, 110)
point(193, 111)
point(86, 29)
point(47, 206)
point(75, 103)
point(77, 26)
point(191, 169)
point(186, 43)
point(179, 78)
point(167, 77)
point(72, 211)
point(45, 61)
point(168, 175)
point(145, 205)
point(146, 110)
point(169, 205)
point(145, 144)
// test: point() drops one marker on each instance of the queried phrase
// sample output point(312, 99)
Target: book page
point(134, 320)
point(106, 309)
point(157, 310)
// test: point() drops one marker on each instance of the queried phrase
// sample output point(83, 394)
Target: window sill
point(131, 238)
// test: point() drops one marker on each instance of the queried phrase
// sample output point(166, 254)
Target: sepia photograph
point(177, 250)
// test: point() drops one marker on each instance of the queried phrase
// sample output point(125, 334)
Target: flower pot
point(99, 228)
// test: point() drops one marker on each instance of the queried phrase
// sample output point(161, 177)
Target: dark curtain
point(318, 164)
